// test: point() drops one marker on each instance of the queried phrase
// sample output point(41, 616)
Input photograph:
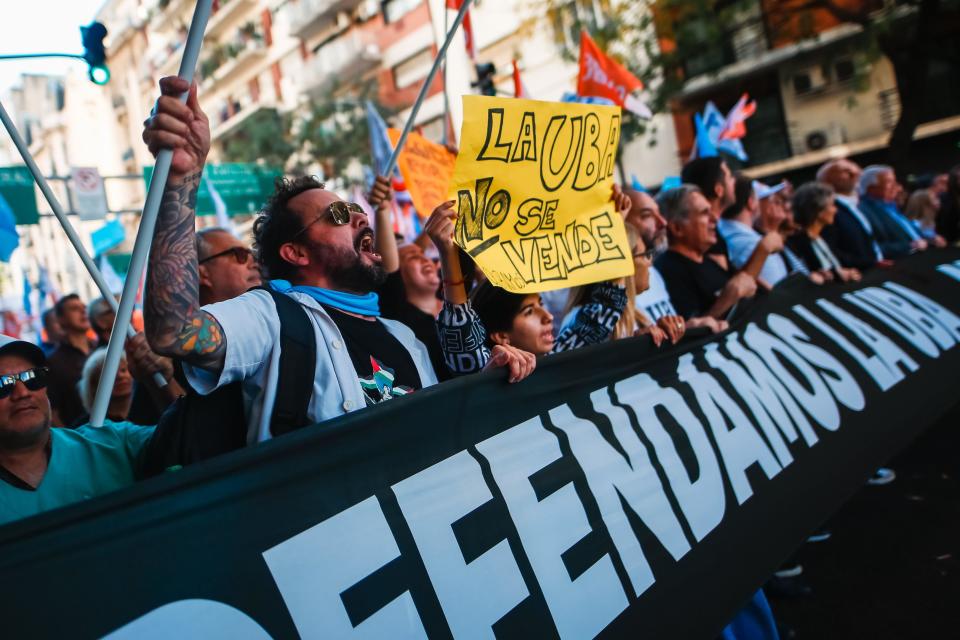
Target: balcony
point(229, 116)
point(229, 58)
point(307, 17)
point(227, 10)
point(348, 57)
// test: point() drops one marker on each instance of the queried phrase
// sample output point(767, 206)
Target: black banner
point(620, 490)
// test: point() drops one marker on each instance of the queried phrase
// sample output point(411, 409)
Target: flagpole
point(148, 221)
point(446, 97)
point(58, 211)
point(426, 86)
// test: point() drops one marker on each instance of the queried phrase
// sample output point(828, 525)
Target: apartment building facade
point(820, 95)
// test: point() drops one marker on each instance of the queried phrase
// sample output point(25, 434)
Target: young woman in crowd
point(813, 209)
point(633, 321)
point(469, 329)
point(922, 208)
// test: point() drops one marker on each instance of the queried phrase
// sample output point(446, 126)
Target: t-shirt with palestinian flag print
point(384, 366)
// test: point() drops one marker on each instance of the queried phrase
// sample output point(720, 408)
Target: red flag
point(519, 91)
point(467, 28)
point(604, 77)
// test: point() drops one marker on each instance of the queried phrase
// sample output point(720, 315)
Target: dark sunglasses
point(33, 379)
point(339, 211)
point(240, 254)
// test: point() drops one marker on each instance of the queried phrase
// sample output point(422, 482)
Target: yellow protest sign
point(426, 168)
point(533, 182)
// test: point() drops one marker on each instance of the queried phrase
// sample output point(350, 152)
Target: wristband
point(452, 283)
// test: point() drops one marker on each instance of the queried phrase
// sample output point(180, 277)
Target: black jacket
point(948, 217)
point(801, 244)
point(851, 243)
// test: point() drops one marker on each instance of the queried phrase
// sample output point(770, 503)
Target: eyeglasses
point(240, 254)
point(339, 211)
point(646, 255)
point(33, 379)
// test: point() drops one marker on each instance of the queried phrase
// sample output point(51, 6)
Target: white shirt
point(742, 241)
point(252, 331)
point(655, 301)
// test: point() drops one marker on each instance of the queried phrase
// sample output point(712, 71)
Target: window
point(414, 68)
point(844, 69)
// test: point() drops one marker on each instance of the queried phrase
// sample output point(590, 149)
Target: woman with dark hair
point(813, 209)
point(470, 329)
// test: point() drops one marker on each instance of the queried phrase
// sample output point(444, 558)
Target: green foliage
point(331, 132)
point(264, 137)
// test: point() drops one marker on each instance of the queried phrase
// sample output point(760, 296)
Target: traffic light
point(485, 73)
point(94, 53)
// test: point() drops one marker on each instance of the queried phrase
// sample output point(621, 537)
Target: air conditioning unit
point(824, 137)
point(810, 80)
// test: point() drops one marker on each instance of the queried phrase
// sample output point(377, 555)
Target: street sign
point(243, 187)
point(89, 198)
point(19, 190)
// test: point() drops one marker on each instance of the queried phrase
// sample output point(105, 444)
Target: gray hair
point(871, 175)
point(97, 306)
point(203, 243)
point(673, 203)
point(90, 378)
point(809, 200)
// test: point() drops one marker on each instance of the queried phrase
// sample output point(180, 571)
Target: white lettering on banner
point(818, 401)
point(431, 501)
point(951, 270)
point(780, 375)
point(873, 365)
point(740, 446)
point(191, 619)
point(313, 568)
point(886, 349)
point(615, 480)
point(767, 389)
point(893, 318)
point(701, 496)
point(949, 320)
point(937, 332)
point(840, 381)
point(583, 606)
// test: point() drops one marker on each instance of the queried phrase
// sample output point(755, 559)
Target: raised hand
point(181, 127)
point(621, 201)
point(440, 225)
point(380, 192)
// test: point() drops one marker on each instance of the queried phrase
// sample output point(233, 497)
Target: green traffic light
point(99, 75)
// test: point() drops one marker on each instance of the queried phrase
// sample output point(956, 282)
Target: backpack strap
point(298, 355)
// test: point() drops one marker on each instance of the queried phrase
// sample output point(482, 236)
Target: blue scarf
point(366, 305)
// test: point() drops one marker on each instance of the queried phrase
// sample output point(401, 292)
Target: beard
point(348, 272)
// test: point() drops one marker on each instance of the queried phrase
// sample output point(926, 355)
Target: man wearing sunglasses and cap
point(315, 248)
point(43, 468)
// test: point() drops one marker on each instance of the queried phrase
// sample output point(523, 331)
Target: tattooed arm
point(175, 325)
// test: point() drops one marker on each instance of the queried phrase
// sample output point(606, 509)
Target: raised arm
point(385, 242)
point(175, 325)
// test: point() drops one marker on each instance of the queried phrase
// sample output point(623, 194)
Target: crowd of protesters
point(381, 319)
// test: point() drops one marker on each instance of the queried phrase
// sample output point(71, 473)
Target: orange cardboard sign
point(427, 169)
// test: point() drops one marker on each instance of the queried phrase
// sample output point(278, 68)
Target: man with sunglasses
point(41, 467)
point(315, 248)
point(226, 266)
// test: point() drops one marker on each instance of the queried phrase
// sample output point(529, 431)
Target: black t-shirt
point(719, 248)
point(384, 366)
point(394, 305)
point(693, 286)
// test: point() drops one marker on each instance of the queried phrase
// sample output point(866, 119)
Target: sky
point(32, 26)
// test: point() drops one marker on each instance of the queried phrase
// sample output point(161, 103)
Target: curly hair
point(276, 224)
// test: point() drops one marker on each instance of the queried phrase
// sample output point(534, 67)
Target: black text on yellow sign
point(533, 183)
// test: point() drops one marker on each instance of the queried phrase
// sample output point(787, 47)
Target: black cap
point(28, 350)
